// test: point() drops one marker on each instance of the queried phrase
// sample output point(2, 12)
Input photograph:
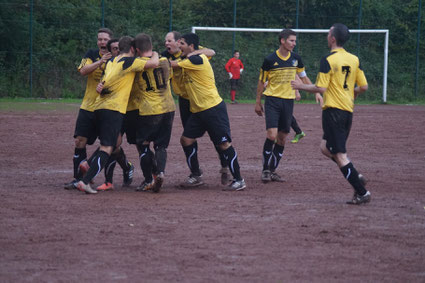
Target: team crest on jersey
point(295, 63)
point(275, 64)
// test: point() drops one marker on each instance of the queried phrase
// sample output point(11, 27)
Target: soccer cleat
point(84, 168)
point(360, 199)
point(192, 181)
point(71, 185)
point(224, 172)
point(128, 175)
point(266, 176)
point(145, 186)
point(275, 177)
point(105, 187)
point(236, 186)
point(157, 183)
point(297, 137)
point(85, 188)
point(363, 180)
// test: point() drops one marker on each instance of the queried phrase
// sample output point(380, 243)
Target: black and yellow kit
point(339, 73)
point(92, 79)
point(279, 72)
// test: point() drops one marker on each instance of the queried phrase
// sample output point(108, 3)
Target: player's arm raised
point(153, 62)
point(88, 69)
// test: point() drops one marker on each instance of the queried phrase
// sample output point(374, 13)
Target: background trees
point(61, 32)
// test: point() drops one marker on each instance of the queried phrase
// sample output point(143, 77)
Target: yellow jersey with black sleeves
point(93, 79)
point(279, 71)
point(117, 83)
point(152, 87)
point(339, 73)
point(199, 83)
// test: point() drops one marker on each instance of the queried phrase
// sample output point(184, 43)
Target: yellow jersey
point(199, 83)
point(152, 89)
point(339, 72)
point(279, 72)
point(93, 79)
point(117, 82)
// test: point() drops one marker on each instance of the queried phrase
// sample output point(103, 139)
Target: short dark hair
point(191, 38)
point(108, 45)
point(285, 33)
point(176, 35)
point(105, 30)
point(143, 41)
point(125, 44)
point(236, 51)
point(341, 33)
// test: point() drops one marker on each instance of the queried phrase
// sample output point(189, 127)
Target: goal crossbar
point(384, 31)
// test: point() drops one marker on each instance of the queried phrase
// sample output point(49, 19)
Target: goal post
point(382, 31)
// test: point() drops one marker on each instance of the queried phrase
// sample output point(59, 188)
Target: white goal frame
point(385, 31)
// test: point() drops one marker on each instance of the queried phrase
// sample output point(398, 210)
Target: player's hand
point(296, 84)
point(297, 95)
point(259, 109)
point(230, 76)
point(319, 99)
point(106, 57)
point(99, 87)
point(241, 71)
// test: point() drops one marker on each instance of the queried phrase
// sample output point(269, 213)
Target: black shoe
point(71, 185)
point(360, 199)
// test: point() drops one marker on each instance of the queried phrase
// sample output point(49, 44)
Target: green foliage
point(62, 31)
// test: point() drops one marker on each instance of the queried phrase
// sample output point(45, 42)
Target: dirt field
point(297, 231)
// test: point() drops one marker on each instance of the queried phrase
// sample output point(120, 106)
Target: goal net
point(370, 45)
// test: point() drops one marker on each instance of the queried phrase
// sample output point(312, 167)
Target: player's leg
point(161, 141)
point(129, 128)
point(336, 126)
point(216, 121)
point(109, 123)
point(299, 134)
point(146, 163)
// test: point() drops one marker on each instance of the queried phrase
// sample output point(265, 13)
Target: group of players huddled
point(129, 92)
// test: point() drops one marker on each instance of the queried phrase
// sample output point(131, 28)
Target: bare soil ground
point(300, 230)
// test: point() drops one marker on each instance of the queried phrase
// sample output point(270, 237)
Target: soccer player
point(339, 73)
point(279, 69)
point(111, 104)
point(156, 115)
point(92, 66)
point(173, 52)
point(235, 68)
point(209, 114)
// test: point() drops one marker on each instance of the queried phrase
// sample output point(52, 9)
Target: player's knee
point(80, 142)
point(224, 145)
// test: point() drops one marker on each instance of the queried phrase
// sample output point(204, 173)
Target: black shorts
point(155, 128)
point(86, 126)
point(278, 113)
point(234, 84)
point(109, 126)
point(215, 121)
point(129, 126)
point(184, 107)
point(336, 126)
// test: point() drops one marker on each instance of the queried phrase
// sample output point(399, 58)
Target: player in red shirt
point(234, 67)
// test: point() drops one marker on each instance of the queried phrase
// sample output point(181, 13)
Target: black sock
point(122, 159)
point(352, 176)
point(232, 160)
point(80, 154)
point(267, 153)
point(146, 162)
point(276, 156)
point(93, 155)
point(98, 163)
point(109, 169)
point(160, 159)
point(223, 161)
point(191, 153)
